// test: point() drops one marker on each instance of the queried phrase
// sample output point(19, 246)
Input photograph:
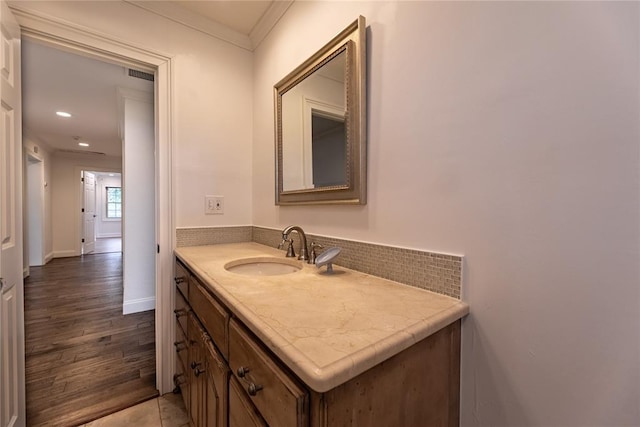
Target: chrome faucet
point(303, 241)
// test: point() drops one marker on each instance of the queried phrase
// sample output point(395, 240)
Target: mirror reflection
point(314, 140)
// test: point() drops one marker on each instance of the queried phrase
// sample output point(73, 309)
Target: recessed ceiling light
point(83, 144)
point(63, 114)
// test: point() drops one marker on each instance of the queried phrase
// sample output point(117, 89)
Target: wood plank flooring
point(84, 359)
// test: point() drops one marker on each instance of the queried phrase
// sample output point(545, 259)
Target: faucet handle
point(290, 252)
point(312, 255)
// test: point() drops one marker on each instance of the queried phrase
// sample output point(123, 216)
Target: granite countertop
point(326, 328)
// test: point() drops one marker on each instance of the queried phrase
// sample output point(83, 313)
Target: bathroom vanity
point(310, 349)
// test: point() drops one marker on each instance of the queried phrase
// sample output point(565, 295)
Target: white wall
point(139, 231)
point(507, 132)
point(45, 154)
point(65, 196)
point(106, 227)
point(212, 92)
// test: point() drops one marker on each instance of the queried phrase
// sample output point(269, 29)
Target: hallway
point(84, 359)
point(107, 245)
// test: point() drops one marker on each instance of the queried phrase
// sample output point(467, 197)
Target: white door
point(12, 380)
point(89, 209)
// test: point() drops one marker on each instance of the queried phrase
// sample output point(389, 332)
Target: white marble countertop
point(326, 328)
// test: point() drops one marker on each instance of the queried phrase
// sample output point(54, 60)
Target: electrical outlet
point(213, 205)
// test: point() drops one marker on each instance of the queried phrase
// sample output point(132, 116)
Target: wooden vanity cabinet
point(244, 384)
point(202, 373)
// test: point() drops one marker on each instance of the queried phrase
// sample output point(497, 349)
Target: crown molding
point(194, 21)
point(266, 23)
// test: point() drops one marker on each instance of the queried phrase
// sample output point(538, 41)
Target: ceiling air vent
point(140, 75)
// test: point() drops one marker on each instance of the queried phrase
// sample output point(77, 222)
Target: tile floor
point(164, 411)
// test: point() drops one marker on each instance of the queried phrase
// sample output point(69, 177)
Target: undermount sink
point(263, 266)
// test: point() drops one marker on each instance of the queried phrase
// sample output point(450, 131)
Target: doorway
point(108, 228)
point(78, 177)
point(55, 32)
point(35, 212)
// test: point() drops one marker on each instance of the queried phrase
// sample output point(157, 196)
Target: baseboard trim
point(138, 305)
point(64, 254)
point(48, 257)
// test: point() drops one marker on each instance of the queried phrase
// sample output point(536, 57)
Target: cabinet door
point(196, 369)
point(242, 413)
point(216, 379)
point(181, 381)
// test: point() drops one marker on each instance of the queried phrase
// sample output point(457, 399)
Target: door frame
point(84, 41)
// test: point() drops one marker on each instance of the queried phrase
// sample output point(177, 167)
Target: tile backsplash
point(202, 236)
point(427, 270)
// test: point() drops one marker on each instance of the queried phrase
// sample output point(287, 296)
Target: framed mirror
point(320, 125)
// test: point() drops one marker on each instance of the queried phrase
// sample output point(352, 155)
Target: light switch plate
point(214, 205)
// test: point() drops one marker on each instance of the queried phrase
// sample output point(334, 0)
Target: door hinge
point(82, 209)
point(82, 240)
point(82, 179)
point(158, 248)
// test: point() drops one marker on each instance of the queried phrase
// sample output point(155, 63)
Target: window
point(114, 202)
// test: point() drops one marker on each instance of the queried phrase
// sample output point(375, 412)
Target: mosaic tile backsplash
point(212, 235)
point(426, 270)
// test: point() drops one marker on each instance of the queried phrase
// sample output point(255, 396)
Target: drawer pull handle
point(178, 280)
point(242, 371)
point(179, 312)
point(253, 389)
point(179, 379)
point(197, 371)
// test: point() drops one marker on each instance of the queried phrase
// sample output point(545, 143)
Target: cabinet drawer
point(181, 311)
point(211, 313)
point(242, 413)
point(181, 279)
point(280, 398)
point(181, 345)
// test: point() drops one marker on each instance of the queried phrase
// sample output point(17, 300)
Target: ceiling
point(55, 80)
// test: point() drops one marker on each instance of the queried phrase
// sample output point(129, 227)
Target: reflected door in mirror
point(314, 142)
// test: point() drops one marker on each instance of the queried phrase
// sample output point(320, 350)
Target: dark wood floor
point(84, 359)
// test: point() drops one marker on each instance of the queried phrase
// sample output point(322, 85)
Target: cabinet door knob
point(195, 364)
point(179, 312)
point(178, 279)
point(197, 371)
point(253, 389)
point(177, 344)
point(242, 371)
point(179, 379)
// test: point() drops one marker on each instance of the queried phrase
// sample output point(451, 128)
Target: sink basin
point(265, 266)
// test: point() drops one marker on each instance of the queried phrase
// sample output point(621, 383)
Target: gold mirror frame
point(351, 40)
